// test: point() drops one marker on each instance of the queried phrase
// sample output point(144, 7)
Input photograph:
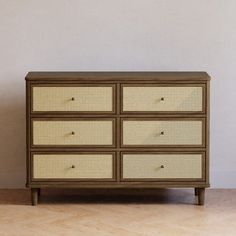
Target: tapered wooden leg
point(201, 196)
point(34, 196)
point(196, 191)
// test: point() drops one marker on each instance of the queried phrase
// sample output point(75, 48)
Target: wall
point(124, 35)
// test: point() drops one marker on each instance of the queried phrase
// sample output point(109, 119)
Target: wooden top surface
point(104, 76)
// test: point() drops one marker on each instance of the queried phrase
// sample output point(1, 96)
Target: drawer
point(80, 132)
point(147, 98)
point(77, 98)
point(163, 132)
point(73, 166)
point(148, 166)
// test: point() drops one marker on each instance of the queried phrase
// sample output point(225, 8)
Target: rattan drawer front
point(77, 99)
point(163, 132)
point(165, 99)
point(79, 133)
point(73, 166)
point(162, 166)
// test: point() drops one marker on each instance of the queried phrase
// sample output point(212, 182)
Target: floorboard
point(165, 212)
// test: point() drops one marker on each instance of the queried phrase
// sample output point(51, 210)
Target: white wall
point(126, 35)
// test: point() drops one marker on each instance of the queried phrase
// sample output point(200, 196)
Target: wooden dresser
point(117, 130)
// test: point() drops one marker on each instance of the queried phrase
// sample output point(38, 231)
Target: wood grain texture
point(101, 76)
point(166, 212)
point(117, 81)
point(34, 196)
point(201, 196)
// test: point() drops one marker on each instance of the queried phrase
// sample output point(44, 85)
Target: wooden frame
point(198, 76)
point(117, 80)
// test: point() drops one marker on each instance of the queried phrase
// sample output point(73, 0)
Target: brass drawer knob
point(162, 166)
point(73, 166)
point(162, 99)
point(162, 132)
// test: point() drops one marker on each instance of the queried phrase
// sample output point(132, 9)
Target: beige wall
point(117, 35)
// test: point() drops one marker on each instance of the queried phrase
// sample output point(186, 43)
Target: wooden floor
point(75, 212)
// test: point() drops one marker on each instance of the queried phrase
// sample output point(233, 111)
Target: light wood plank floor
point(75, 212)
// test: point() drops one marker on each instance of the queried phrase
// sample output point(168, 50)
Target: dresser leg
point(34, 196)
point(201, 196)
point(196, 191)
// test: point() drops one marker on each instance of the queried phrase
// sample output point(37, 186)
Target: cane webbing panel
point(149, 166)
point(175, 98)
point(60, 98)
point(60, 132)
point(60, 166)
point(149, 132)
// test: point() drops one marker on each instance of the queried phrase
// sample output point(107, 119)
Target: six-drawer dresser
point(117, 130)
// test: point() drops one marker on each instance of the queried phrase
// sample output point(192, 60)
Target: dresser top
point(109, 76)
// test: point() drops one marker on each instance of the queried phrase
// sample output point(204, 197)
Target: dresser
point(143, 130)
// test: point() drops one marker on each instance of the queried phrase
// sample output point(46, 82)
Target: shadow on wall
point(12, 139)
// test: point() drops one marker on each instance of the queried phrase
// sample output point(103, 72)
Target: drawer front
point(78, 133)
point(163, 132)
point(162, 166)
point(163, 99)
point(73, 166)
point(73, 99)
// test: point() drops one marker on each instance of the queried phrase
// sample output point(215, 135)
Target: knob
point(72, 133)
point(162, 98)
point(73, 166)
point(72, 99)
point(162, 166)
point(162, 133)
